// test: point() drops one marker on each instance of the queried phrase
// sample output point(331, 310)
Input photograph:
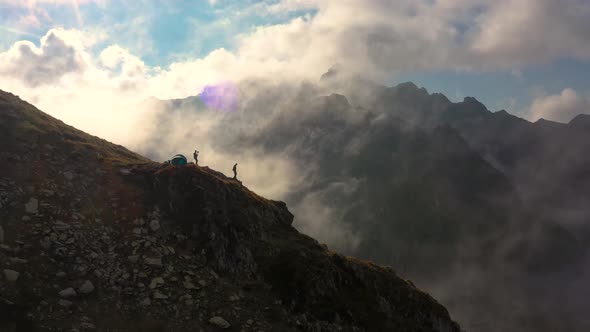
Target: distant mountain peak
point(474, 101)
point(411, 87)
point(333, 73)
point(545, 121)
point(580, 121)
point(338, 100)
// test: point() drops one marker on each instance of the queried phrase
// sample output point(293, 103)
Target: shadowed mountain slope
point(94, 236)
point(546, 161)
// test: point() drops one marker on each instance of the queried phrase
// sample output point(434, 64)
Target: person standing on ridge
point(196, 156)
point(235, 169)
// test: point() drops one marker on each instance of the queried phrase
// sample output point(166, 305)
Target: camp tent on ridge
point(178, 160)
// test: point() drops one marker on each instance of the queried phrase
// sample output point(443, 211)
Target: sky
point(95, 64)
point(530, 57)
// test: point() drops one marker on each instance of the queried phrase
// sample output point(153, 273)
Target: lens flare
point(222, 96)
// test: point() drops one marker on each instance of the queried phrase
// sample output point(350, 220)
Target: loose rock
point(68, 292)
point(160, 296)
point(11, 275)
point(154, 225)
point(187, 298)
point(32, 207)
point(219, 322)
point(87, 287)
point(154, 261)
point(88, 326)
point(156, 282)
point(17, 260)
point(64, 303)
point(189, 285)
point(133, 258)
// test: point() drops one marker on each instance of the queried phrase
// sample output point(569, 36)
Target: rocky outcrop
point(244, 234)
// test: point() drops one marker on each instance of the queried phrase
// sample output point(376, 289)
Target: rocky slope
point(95, 237)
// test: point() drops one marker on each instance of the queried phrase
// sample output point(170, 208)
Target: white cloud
point(324, 222)
point(114, 56)
point(382, 37)
point(533, 31)
point(63, 78)
point(56, 56)
point(561, 108)
point(378, 38)
point(31, 13)
point(287, 6)
point(30, 20)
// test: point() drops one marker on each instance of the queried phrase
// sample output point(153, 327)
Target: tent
point(178, 160)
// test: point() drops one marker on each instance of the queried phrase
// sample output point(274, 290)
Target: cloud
point(34, 13)
point(63, 77)
point(115, 56)
point(375, 38)
point(287, 6)
point(17, 31)
point(41, 65)
point(561, 108)
point(324, 221)
point(30, 20)
point(516, 32)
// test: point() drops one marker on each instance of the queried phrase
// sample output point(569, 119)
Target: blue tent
point(178, 160)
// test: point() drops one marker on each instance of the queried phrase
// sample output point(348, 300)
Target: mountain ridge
point(91, 229)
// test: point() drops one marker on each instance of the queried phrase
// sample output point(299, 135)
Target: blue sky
point(513, 91)
point(511, 55)
point(176, 28)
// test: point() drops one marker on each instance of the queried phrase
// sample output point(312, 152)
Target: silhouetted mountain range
point(96, 237)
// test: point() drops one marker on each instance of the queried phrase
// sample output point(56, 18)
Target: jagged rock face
point(581, 122)
point(216, 212)
point(96, 237)
point(243, 234)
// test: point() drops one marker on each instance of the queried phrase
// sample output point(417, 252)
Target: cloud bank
point(561, 108)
